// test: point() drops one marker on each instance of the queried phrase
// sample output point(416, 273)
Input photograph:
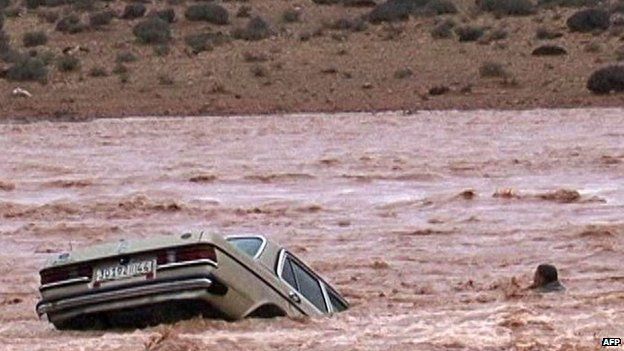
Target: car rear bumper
point(124, 297)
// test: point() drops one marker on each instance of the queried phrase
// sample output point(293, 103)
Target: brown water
point(376, 203)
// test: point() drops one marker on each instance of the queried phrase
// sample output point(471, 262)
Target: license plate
point(124, 271)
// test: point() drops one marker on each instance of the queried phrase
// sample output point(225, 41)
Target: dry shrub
point(589, 20)
point(70, 24)
point(32, 39)
point(67, 63)
point(152, 31)
point(212, 13)
point(606, 80)
point(134, 10)
point(549, 50)
point(469, 33)
point(256, 29)
point(491, 69)
point(27, 68)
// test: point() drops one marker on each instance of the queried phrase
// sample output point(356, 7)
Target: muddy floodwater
point(430, 224)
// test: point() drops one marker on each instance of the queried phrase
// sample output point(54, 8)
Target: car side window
point(248, 245)
point(288, 275)
point(308, 286)
point(336, 302)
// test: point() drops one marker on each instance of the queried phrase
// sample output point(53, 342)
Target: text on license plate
point(123, 271)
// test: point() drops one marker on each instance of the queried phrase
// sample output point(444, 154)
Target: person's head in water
point(546, 279)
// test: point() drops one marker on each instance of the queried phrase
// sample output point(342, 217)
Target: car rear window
point(249, 245)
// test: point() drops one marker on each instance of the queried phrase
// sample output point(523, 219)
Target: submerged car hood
point(122, 247)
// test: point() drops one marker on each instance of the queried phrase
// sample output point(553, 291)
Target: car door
point(305, 288)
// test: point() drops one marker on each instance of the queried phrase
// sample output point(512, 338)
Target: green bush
point(32, 39)
point(606, 80)
point(391, 11)
point(67, 63)
point(589, 20)
point(70, 24)
point(82, 5)
point(152, 31)
point(211, 13)
point(257, 29)
point(134, 10)
point(102, 18)
point(28, 68)
point(469, 33)
point(507, 7)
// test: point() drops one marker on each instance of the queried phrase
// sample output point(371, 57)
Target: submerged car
point(172, 277)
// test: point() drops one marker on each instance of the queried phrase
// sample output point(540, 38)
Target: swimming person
point(546, 279)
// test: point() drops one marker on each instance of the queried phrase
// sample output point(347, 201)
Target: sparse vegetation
point(251, 56)
point(126, 57)
point(152, 31)
point(165, 79)
point(491, 69)
point(443, 30)
point(50, 16)
point(70, 24)
point(67, 63)
point(358, 3)
point(392, 11)
point(507, 7)
point(469, 33)
point(403, 73)
point(134, 10)
point(440, 7)
point(211, 13)
point(98, 72)
point(589, 20)
point(549, 50)
point(606, 80)
point(161, 50)
point(32, 39)
point(198, 42)
point(544, 33)
point(244, 11)
point(167, 15)
point(593, 47)
point(291, 15)
point(355, 25)
point(120, 68)
point(100, 19)
point(26, 68)
point(256, 29)
point(259, 71)
point(568, 3)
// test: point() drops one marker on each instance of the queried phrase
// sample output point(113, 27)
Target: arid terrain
point(430, 224)
point(309, 58)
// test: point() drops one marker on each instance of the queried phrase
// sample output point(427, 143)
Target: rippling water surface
point(431, 224)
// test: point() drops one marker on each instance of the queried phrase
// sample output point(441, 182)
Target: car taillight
point(195, 252)
point(58, 274)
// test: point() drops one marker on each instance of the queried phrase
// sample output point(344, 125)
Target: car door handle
point(294, 296)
